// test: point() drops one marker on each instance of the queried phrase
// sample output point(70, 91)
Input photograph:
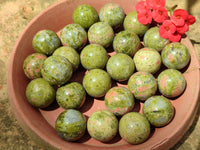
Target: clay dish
point(39, 123)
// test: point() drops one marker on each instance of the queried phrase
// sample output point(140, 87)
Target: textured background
point(14, 16)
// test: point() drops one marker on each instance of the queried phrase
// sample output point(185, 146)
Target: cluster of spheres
point(86, 44)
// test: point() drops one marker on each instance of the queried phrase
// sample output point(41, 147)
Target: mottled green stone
point(158, 110)
point(143, 85)
point(134, 128)
point(120, 67)
point(70, 125)
point(96, 82)
point(126, 42)
point(71, 95)
point(85, 15)
point(147, 60)
point(33, 64)
point(73, 35)
point(45, 42)
point(119, 100)
point(93, 56)
point(152, 39)
point(175, 55)
point(102, 125)
point(40, 93)
point(112, 13)
point(69, 53)
point(131, 23)
point(101, 33)
point(57, 70)
point(171, 83)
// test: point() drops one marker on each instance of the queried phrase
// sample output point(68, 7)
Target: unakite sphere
point(70, 125)
point(134, 128)
point(153, 39)
point(126, 42)
point(71, 95)
point(143, 85)
point(119, 100)
point(102, 125)
point(175, 55)
point(93, 56)
point(45, 42)
point(131, 23)
point(158, 110)
point(171, 83)
point(101, 33)
point(120, 67)
point(112, 13)
point(57, 70)
point(73, 35)
point(33, 64)
point(85, 15)
point(71, 54)
point(96, 82)
point(40, 93)
point(148, 60)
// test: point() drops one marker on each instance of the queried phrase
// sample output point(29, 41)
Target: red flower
point(179, 17)
point(141, 7)
point(182, 29)
point(160, 14)
point(189, 21)
point(155, 3)
point(167, 29)
point(145, 17)
point(175, 37)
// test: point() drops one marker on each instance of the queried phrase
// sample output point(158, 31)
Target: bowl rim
point(24, 123)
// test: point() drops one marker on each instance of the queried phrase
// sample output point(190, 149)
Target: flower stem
point(171, 9)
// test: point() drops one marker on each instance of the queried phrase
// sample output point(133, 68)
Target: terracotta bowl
point(39, 123)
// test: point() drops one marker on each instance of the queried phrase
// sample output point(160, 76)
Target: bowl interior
point(40, 122)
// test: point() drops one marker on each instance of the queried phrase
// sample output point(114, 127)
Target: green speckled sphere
point(101, 33)
point(120, 67)
point(57, 70)
point(175, 56)
point(71, 95)
point(112, 13)
point(131, 23)
point(45, 42)
point(33, 64)
point(70, 125)
point(93, 56)
point(143, 85)
point(102, 125)
point(134, 128)
point(69, 53)
point(119, 100)
point(126, 42)
point(147, 60)
point(85, 15)
point(152, 39)
point(73, 35)
point(96, 82)
point(158, 110)
point(40, 93)
point(171, 83)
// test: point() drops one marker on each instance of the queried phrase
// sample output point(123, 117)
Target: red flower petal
point(160, 14)
point(175, 37)
point(141, 7)
point(183, 29)
point(145, 18)
point(190, 20)
point(155, 3)
point(179, 17)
